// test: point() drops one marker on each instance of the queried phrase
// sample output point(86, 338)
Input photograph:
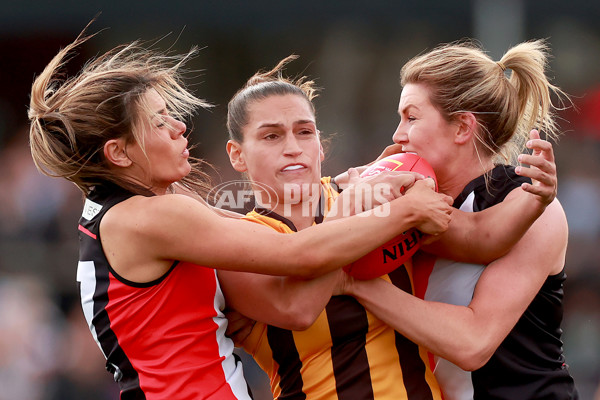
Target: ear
point(114, 151)
point(236, 156)
point(321, 152)
point(467, 128)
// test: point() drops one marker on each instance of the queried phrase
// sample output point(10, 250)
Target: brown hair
point(462, 78)
point(71, 119)
point(260, 86)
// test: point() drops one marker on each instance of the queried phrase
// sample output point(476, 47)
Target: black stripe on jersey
point(348, 325)
point(320, 214)
point(274, 215)
point(91, 249)
point(413, 368)
point(500, 182)
point(130, 389)
point(290, 377)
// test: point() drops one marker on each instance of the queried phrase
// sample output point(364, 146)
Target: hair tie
point(502, 67)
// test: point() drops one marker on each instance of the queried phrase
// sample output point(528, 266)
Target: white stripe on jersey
point(86, 276)
point(234, 374)
point(454, 282)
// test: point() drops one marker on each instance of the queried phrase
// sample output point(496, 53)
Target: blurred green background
point(354, 50)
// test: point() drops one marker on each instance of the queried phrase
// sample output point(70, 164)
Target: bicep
point(250, 294)
point(508, 285)
point(187, 230)
point(483, 236)
point(285, 302)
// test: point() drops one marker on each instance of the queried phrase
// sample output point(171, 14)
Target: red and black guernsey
point(163, 339)
point(347, 353)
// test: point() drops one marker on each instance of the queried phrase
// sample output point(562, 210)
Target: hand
point(542, 170)
point(238, 326)
point(434, 209)
point(389, 150)
point(347, 178)
point(343, 179)
point(366, 193)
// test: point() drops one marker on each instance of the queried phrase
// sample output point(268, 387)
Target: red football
point(402, 162)
point(397, 251)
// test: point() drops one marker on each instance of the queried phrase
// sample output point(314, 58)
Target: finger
point(428, 239)
point(537, 161)
point(534, 134)
point(430, 182)
point(537, 174)
point(389, 150)
point(541, 148)
point(541, 191)
point(353, 175)
point(406, 179)
point(540, 144)
point(449, 200)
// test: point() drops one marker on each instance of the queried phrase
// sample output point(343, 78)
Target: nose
point(292, 147)
point(178, 128)
point(400, 135)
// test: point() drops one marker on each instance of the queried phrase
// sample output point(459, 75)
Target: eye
point(270, 136)
point(161, 121)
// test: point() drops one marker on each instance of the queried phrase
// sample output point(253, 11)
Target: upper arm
point(508, 285)
point(181, 228)
point(285, 302)
point(252, 295)
point(142, 236)
point(483, 236)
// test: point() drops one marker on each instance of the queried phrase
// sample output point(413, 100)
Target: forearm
point(481, 237)
point(447, 330)
point(355, 236)
point(285, 302)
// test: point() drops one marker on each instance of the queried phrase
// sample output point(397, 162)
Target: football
point(397, 251)
point(401, 162)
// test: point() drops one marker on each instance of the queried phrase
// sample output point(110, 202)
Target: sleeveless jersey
point(163, 339)
point(529, 363)
point(347, 353)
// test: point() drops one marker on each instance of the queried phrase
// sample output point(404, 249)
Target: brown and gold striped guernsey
point(348, 353)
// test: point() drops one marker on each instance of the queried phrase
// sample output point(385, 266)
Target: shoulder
point(545, 243)
point(140, 213)
point(492, 188)
point(553, 218)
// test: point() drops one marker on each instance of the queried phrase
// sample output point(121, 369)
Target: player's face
point(166, 155)
point(281, 147)
point(422, 128)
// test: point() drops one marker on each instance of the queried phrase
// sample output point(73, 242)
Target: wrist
point(408, 214)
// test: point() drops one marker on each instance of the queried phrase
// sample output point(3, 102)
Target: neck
point(301, 214)
point(452, 181)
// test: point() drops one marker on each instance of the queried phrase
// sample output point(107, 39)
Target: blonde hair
point(72, 118)
point(507, 104)
point(262, 85)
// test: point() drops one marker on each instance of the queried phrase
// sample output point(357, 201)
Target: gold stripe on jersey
point(348, 353)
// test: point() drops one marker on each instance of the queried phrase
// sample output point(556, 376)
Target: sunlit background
point(354, 51)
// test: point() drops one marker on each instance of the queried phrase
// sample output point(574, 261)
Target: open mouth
point(293, 167)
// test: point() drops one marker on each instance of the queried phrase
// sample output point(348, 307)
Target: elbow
point(296, 319)
point(473, 358)
point(302, 322)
